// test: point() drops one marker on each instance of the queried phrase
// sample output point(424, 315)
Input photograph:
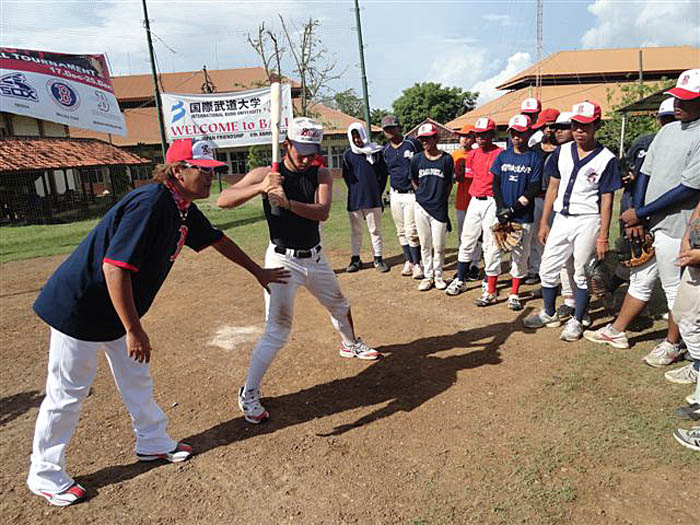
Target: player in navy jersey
point(517, 173)
point(96, 298)
point(364, 173)
point(432, 172)
point(397, 155)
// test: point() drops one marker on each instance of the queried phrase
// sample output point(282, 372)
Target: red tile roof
point(46, 153)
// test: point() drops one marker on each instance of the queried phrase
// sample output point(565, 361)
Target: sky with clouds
point(471, 44)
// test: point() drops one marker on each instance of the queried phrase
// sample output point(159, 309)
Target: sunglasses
point(206, 171)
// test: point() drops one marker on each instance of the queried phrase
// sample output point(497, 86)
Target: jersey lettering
point(180, 242)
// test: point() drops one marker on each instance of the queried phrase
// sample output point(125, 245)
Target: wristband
point(602, 241)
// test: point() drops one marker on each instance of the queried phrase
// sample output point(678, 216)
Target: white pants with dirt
point(686, 310)
point(536, 247)
point(72, 368)
point(314, 273)
point(403, 212)
point(432, 234)
point(372, 217)
point(662, 267)
point(461, 215)
point(570, 235)
point(519, 255)
point(481, 215)
point(566, 276)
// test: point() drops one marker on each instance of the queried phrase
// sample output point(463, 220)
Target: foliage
point(377, 114)
point(635, 125)
point(431, 99)
point(347, 102)
point(256, 158)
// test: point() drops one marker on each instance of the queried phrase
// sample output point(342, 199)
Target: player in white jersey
point(583, 177)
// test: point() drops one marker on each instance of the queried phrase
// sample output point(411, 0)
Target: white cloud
point(458, 66)
point(644, 23)
point(504, 20)
point(487, 88)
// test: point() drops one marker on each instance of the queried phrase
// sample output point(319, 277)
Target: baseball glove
point(507, 235)
point(598, 277)
point(636, 251)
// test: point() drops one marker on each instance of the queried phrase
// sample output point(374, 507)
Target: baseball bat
point(275, 117)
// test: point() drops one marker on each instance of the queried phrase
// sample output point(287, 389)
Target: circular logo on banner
point(63, 94)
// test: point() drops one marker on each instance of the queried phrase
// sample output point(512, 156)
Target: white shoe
point(572, 331)
point(541, 319)
point(181, 452)
point(407, 269)
point(586, 321)
point(486, 299)
point(605, 336)
point(417, 271)
point(685, 375)
point(514, 303)
point(688, 438)
point(253, 411)
point(425, 285)
point(359, 350)
point(456, 287)
point(691, 399)
point(73, 494)
point(663, 354)
point(440, 283)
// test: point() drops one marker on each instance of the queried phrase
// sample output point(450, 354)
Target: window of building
point(239, 162)
point(336, 157)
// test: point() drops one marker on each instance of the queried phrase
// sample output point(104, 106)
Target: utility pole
point(538, 78)
point(362, 68)
point(156, 92)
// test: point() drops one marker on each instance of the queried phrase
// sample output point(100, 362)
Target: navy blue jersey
point(434, 180)
point(515, 171)
point(398, 162)
point(144, 233)
point(365, 181)
point(634, 158)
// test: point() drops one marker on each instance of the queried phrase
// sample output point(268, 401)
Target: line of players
point(558, 182)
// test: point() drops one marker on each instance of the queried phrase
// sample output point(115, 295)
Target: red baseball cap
point(200, 153)
point(687, 86)
point(531, 105)
point(519, 123)
point(484, 124)
point(548, 115)
point(586, 112)
point(427, 130)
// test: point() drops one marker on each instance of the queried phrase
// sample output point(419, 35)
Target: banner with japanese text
point(240, 118)
point(75, 90)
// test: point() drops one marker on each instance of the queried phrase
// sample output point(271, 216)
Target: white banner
point(69, 89)
point(240, 118)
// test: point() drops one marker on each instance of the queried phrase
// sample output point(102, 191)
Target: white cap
point(564, 118)
point(687, 86)
point(306, 135)
point(531, 105)
point(519, 123)
point(666, 108)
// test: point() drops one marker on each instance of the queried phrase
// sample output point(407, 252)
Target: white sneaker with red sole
point(359, 350)
point(182, 452)
point(73, 494)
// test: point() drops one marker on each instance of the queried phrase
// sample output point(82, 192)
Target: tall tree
point(431, 99)
point(347, 102)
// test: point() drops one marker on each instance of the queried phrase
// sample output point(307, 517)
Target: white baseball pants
point(481, 215)
point(566, 276)
point(403, 212)
point(536, 248)
point(570, 235)
point(686, 310)
point(461, 215)
point(72, 368)
point(519, 255)
point(316, 274)
point(372, 217)
point(432, 234)
point(662, 266)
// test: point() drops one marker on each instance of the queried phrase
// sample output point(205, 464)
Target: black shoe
point(354, 266)
point(380, 265)
point(691, 412)
point(532, 278)
point(473, 275)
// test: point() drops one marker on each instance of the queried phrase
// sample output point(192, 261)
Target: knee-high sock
point(550, 298)
point(406, 253)
point(582, 298)
point(415, 254)
point(462, 269)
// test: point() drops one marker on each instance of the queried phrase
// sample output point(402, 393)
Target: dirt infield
point(468, 419)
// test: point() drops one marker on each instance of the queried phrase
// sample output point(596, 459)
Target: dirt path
point(468, 418)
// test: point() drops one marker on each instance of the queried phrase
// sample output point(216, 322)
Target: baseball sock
point(406, 253)
point(550, 298)
point(582, 299)
point(516, 286)
point(462, 269)
point(415, 254)
point(491, 283)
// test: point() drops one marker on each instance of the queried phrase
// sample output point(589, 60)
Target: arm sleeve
point(639, 190)
point(690, 176)
point(672, 197)
point(134, 233)
point(610, 179)
point(348, 175)
point(497, 193)
point(382, 172)
point(201, 234)
point(551, 168)
point(449, 169)
point(648, 164)
point(414, 169)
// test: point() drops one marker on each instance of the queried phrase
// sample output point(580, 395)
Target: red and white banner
point(75, 90)
point(240, 118)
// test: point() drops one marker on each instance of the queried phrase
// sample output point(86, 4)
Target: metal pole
point(538, 78)
point(641, 76)
point(622, 135)
point(365, 92)
point(163, 141)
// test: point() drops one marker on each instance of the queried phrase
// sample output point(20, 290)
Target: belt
point(299, 254)
point(483, 198)
point(401, 191)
